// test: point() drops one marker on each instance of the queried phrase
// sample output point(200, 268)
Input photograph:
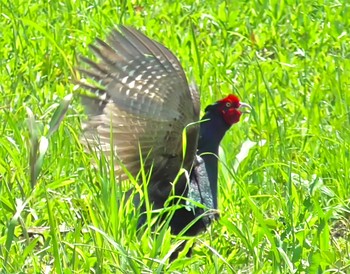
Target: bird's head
point(231, 109)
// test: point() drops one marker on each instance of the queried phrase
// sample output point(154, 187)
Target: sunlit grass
point(284, 204)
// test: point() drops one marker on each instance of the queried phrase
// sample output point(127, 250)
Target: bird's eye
point(228, 104)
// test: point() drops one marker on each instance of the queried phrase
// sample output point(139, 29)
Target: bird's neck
point(212, 130)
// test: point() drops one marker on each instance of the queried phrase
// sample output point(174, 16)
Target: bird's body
point(141, 105)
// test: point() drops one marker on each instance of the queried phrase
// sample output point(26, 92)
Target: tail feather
point(141, 100)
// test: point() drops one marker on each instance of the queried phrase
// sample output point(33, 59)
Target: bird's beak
point(244, 108)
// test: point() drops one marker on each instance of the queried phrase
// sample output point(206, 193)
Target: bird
point(143, 112)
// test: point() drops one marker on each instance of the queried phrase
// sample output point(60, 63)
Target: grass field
point(284, 169)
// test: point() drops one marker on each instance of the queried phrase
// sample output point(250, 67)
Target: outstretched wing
point(141, 101)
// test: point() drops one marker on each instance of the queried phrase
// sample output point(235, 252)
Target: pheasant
point(139, 107)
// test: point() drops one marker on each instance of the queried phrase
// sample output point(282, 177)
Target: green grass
point(284, 204)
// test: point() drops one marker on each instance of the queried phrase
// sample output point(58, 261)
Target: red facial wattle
point(231, 115)
point(231, 109)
